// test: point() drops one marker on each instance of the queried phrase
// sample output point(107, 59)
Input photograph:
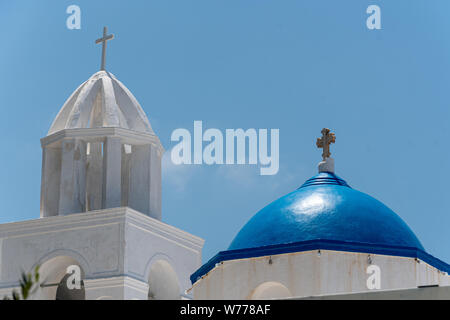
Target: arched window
point(56, 281)
point(270, 290)
point(163, 282)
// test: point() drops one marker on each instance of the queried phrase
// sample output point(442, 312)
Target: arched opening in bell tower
point(61, 279)
point(163, 282)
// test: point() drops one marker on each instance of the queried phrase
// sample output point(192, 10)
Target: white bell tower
point(101, 152)
point(101, 205)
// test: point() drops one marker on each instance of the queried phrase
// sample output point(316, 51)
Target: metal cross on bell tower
point(104, 40)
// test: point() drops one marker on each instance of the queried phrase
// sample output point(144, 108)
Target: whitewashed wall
point(115, 248)
point(310, 274)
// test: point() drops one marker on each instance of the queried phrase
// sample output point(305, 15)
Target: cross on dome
point(103, 40)
point(324, 142)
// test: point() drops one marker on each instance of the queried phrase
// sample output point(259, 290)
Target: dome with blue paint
point(325, 208)
point(325, 213)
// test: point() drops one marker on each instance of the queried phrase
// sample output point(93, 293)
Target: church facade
point(101, 212)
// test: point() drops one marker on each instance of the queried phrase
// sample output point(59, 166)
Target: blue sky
point(297, 66)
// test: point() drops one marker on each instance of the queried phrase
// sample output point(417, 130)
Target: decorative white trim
point(116, 282)
point(98, 134)
point(138, 219)
point(104, 216)
point(90, 217)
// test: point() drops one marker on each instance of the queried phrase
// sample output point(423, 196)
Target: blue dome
point(325, 208)
point(324, 213)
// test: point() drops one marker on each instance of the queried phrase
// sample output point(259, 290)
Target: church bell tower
point(100, 206)
point(101, 151)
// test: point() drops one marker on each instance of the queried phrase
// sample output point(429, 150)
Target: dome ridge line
point(102, 101)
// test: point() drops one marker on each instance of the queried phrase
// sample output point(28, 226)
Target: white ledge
point(124, 214)
point(98, 134)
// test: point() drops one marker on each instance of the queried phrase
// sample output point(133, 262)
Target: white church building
point(101, 211)
point(101, 205)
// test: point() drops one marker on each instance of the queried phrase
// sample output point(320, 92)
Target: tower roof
point(101, 101)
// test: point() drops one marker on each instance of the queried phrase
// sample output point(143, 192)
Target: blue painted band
point(309, 245)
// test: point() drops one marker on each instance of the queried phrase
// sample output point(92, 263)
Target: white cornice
point(105, 216)
point(121, 281)
point(60, 221)
point(163, 229)
point(98, 134)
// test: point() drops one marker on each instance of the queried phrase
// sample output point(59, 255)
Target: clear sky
point(297, 66)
